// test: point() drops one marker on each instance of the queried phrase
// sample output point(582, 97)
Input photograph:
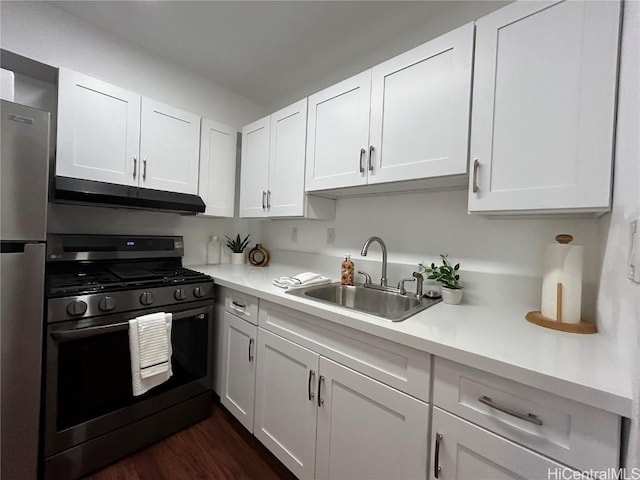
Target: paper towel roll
point(562, 264)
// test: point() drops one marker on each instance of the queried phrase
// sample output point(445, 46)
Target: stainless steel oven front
point(90, 410)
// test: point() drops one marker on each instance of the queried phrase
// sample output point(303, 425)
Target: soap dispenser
point(346, 271)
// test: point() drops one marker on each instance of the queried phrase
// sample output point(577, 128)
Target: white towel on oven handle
point(150, 348)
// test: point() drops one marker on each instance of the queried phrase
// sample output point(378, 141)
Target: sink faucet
point(365, 248)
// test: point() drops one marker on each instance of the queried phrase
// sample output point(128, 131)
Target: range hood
point(109, 194)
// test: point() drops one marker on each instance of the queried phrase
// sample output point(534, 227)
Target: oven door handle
point(77, 333)
point(66, 335)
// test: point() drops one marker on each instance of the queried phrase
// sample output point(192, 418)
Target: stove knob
point(198, 292)
point(106, 304)
point(77, 307)
point(146, 298)
point(179, 294)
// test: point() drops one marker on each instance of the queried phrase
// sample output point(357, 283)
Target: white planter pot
point(237, 258)
point(452, 296)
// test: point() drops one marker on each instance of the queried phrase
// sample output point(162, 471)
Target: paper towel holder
point(537, 318)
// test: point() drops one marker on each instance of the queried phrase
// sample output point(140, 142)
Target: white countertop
point(498, 340)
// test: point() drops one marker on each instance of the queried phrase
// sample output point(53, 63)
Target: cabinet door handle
point(264, 196)
point(144, 168)
point(135, 166)
point(476, 165)
point(311, 394)
point(268, 199)
point(362, 153)
point(320, 382)
point(436, 461)
point(527, 417)
point(250, 350)
point(371, 149)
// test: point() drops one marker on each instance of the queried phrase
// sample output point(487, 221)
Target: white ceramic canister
point(562, 266)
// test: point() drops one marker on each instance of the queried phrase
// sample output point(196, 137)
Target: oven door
point(88, 373)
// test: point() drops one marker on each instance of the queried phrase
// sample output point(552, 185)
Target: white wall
point(45, 33)
point(49, 35)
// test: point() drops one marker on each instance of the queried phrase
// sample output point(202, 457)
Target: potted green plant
point(448, 275)
point(237, 247)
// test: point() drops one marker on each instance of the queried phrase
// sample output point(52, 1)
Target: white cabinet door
point(544, 107)
point(467, 452)
point(338, 134)
point(239, 368)
point(169, 148)
point(285, 420)
point(420, 105)
point(368, 430)
point(254, 173)
point(285, 196)
point(217, 180)
point(98, 130)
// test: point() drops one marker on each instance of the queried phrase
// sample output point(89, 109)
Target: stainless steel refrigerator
point(24, 168)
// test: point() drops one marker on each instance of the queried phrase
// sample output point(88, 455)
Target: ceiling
point(259, 49)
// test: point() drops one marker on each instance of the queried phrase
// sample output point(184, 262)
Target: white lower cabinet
point(286, 402)
point(239, 368)
point(368, 430)
point(464, 451)
point(324, 420)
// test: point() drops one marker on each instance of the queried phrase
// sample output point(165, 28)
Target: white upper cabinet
point(544, 107)
point(338, 134)
point(420, 103)
point(98, 130)
point(218, 150)
point(254, 174)
point(405, 119)
point(273, 168)
point(285, 195)
point(169, 148)
point(108, 134)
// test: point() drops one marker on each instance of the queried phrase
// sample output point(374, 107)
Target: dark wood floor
point(216, 448)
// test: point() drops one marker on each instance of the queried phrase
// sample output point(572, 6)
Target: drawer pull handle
point(238, 306)
point(320, 399)
point(436, 461)
point(527, 417)
point(312, 374)
point(362, 152)
point(250, 350)
point(371, 149)
point(264, 196)
point(135, 166)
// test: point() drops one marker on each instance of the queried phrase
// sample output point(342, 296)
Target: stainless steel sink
point(388, 305)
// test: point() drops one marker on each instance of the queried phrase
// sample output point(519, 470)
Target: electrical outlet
point(331, 236)
point(294, 234)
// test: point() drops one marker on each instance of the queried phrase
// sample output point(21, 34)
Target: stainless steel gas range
point(94, 286)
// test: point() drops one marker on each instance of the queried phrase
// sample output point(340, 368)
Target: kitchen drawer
point(578, 435)
point(395, 365)
point(242, 305)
